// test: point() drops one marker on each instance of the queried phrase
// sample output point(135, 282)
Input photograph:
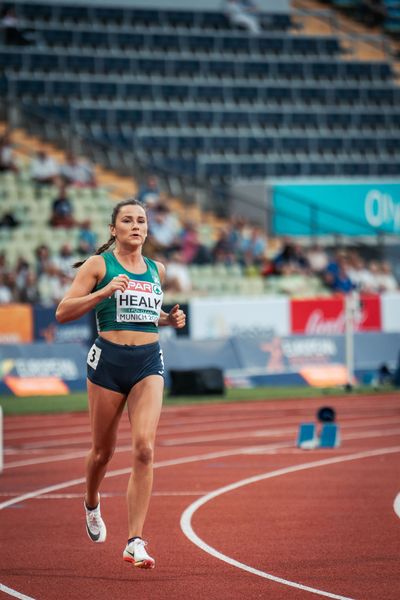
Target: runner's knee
point(143, 452)
point(102, 456)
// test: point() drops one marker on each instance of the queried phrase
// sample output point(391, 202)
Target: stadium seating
point(184, 91)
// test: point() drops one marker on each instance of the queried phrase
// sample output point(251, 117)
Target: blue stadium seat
point(34, 12)
point(60, 88)
point(80, 63)
point(108, 16)
point(179, 18)
point(239, 45)
point(74, 14)
point(198, 43)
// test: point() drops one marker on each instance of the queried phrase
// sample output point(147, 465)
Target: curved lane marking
point(396, 505)
point(186, 518)
point(11, 592)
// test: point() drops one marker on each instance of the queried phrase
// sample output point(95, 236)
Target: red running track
point(237, 511)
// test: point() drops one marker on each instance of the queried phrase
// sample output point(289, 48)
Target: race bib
point(140, 302)
point(93, 356)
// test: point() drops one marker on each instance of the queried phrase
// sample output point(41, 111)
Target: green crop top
point(136, 309)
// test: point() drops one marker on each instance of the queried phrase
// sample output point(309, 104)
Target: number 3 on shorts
point(93, 356)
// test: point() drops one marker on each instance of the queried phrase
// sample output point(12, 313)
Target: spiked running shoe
point(95, 526)
point(135, 553)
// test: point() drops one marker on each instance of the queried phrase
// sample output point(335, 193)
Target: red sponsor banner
point(326, 316)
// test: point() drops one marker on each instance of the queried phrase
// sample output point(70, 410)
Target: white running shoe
point(95, 526)
point(135, 553)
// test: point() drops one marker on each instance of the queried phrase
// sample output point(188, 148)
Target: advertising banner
point(47, 329)
point(326, 316)
point(275, 354)
point(16, 324)
point(390, 311)
point(40, 368)
point(345, 208)
point(212, 318)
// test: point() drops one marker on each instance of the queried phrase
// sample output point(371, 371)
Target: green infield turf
point(78, 401)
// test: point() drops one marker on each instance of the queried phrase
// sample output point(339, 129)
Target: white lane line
point(158, 465)
point(270, 431)
point(396, 505)
point(186, 518)
point(82, 454)
point(11, 592)
point(103, 495)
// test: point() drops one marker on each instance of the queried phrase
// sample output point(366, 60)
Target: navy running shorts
point(119, 367)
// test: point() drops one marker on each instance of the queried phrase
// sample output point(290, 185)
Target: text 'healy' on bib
point(141, 301)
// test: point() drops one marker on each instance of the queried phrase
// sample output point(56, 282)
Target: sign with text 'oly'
point(336, 208)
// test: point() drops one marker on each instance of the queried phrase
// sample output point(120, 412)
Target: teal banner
point(336, 208)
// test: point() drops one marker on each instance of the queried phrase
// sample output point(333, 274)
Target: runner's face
point(130, 225)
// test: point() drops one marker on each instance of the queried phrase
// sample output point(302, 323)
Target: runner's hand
point(176, 317)
point(117, 284)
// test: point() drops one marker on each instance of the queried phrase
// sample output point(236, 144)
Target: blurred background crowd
point(192, 250)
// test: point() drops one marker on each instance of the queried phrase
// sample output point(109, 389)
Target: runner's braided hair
point(114, 216)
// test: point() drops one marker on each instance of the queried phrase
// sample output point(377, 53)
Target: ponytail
point(100, 250)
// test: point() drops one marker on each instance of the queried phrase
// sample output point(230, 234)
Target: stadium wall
point(255, 341)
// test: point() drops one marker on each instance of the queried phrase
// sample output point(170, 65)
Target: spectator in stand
point(6, 295)
point(237, 233)
point(20, 273)
point(78, 172)
point(317, 258)
point(87, 239)
point(10, 281)
point(243, 14)
point(223, 250)
point(64, 261)
point(43, 259)
point(8, 220)
point(193, 251)
point(164, 229)
point(149, 193)
point(62, 210)
point(7, 158)
point(358, 272)
point(386, 279)
point(291, 259)
point(336, 275)
point(49, 284)
point(177, 275)
point(29, 294)
point(254, 246)
point(3, 264)
point(44, 169)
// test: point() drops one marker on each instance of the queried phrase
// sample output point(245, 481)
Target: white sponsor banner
point(390, 307)
point(212, 318)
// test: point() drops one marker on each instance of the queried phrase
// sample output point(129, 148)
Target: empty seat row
point(285, 168)
point(45, 61)
point(69, 87)
point(183, 42)
point(150, 17)
point(186, 117)
point(194, 144)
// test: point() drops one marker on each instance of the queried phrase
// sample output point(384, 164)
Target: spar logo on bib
point(140, 302)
